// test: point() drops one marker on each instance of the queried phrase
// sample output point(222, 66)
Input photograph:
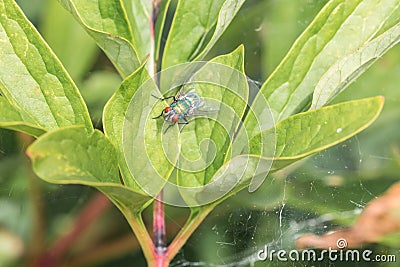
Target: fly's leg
point(169, 127)
point(184, 123)
point(160, 98)
point(162, 112)
point(164, 98)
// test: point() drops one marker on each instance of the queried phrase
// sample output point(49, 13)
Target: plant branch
point(96, 207)
point(159, 229)
point(152, 64)
point(136, 222)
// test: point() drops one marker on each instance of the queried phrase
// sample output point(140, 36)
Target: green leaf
point(149, 154)
point(13, 119)
point(32, 79)
point(208, 143)
point(339, 29)
point(307, 133)
point(196, 27)
point(138, 138)
point(114, 116)
point(284, 21)
point(73, 46)
point(72, 156)
point(296, 137)
point(346, 70)
point(139, 16)
point(106, 22)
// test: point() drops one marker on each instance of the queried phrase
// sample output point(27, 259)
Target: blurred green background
point(316, 195)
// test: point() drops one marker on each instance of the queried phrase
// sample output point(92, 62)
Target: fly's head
point(170, 115)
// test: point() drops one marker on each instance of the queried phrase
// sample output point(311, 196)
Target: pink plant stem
point(96, 207)
point(159, 230)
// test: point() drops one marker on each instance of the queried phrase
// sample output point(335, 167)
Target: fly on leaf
point(184, 106)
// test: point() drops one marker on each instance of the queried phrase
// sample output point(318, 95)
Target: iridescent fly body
point(183, 106)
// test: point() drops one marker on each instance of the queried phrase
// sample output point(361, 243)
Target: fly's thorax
point(182, 106)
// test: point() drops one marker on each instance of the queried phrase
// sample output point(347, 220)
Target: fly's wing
point(185, 89)
point(199, 106)
point(180, 92)
point(205, 108)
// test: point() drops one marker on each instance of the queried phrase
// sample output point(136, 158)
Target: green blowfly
point(184, 106)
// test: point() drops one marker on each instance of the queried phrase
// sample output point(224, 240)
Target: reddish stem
point(158, 256)
point(159, 231)
point(96, 207)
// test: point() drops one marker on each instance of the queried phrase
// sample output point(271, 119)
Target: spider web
point(323, 193)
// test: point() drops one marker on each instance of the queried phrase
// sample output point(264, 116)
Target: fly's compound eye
point(167, 109)
point(175, 118)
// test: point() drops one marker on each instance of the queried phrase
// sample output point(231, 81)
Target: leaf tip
point(381, 101)
point(239, 49)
